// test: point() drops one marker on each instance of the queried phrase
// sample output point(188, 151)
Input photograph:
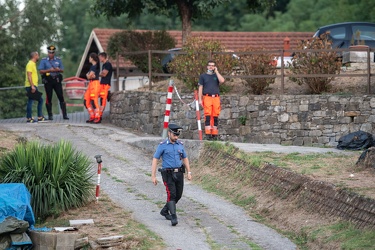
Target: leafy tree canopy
point(131, 41)
point(187, 10)
point(22, 30)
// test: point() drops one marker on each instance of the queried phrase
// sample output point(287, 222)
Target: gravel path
point(206, 221)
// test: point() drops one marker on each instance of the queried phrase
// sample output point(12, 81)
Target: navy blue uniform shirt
point(95, 69)
point(171, 153)
point(47, 63)
point(210, 84)
point(107, 79)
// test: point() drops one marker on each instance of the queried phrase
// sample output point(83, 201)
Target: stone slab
point(80, 222)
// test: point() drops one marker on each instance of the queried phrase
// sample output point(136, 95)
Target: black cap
point(51, 49)
point(175, 129)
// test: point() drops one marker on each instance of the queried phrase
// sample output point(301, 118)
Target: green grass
point(145, 239)
point(117, 179)
point(349, 236)
point(344, 235)
point(143, 197)
point(121, 159)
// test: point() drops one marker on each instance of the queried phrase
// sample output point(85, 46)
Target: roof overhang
point(92, 39)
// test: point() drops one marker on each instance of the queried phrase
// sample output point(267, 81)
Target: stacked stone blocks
point(301, 120)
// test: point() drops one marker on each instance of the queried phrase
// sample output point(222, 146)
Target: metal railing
point(284, 73)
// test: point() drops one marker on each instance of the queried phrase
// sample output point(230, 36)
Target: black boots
point(165, 212)
point(49, 111)
point(63, 109)
point(172, 209)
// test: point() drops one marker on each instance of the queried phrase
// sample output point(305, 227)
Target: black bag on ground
point(356, 141)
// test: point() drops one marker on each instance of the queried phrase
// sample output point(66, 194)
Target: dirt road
point(205, 220)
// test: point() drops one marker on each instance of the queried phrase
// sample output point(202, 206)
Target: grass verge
point(236, 186)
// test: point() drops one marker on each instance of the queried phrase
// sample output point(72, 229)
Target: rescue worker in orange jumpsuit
point(105, 82)
point(92, 93)
point(209, 98)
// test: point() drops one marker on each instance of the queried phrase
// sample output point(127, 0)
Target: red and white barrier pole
point(168, 109)
point(198, 115)
point(99, 161)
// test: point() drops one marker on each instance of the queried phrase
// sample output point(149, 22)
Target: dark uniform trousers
point(174, 184)
point(50, 84)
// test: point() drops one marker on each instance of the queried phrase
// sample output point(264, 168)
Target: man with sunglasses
point(209, 98)
point(51, 69)
point(175, 161)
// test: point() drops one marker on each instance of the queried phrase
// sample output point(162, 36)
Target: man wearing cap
point(174, 163)
point(51, 68)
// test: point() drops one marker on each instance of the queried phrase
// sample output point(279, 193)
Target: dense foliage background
point(27, 25)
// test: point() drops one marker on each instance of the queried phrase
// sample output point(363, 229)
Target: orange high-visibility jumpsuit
point(211, 108)
point(103, 94)
point(91, 97)
point(105, 85)
point(209, 88)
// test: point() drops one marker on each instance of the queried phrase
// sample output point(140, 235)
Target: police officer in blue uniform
point(51, 69)
point(174, 165)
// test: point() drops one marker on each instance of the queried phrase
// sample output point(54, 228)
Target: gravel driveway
point(206, 221)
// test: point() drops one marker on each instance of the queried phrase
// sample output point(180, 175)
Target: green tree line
point(69, 23)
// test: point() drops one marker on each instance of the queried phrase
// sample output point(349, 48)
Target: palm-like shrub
point(57, 176)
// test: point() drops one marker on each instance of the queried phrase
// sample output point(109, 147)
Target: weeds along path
point(205, 220)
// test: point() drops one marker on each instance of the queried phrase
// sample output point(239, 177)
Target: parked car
point(168, 58)
point(344, 35)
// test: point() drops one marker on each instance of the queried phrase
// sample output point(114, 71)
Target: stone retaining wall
point(312, 195)
point(310, 120)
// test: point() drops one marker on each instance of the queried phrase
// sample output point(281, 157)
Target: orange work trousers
point(103, 94)
point(92, 95)
point(212, 108)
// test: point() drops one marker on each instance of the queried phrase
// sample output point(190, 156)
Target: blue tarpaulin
point(15, 201)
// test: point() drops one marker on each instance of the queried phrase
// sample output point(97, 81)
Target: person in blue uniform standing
point(174, 163)
point(51, 69)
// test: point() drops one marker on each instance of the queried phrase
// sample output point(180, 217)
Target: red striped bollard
point(99, 161)
point(198, 115)
point(168, 109)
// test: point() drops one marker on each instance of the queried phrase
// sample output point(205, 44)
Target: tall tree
point(77, 26)
point(187, 10)
point(22, 30)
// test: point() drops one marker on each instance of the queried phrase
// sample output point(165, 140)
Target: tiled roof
point(231, 40)
point(234, 41)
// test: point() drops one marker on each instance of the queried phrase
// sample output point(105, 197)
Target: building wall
point(310, 120)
